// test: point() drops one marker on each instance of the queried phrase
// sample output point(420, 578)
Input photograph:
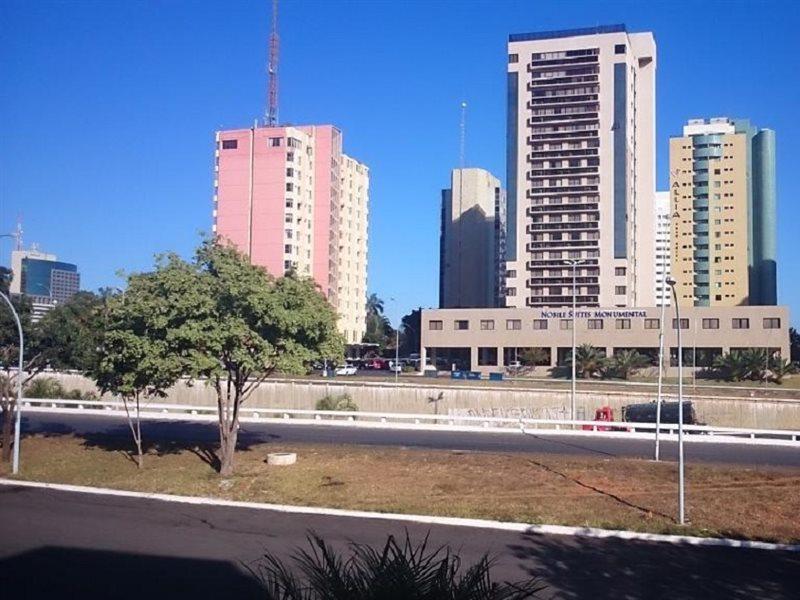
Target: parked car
point(347, 370)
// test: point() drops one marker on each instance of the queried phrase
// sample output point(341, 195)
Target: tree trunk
point(8, 428)
point(135, 425)
point(227, 450)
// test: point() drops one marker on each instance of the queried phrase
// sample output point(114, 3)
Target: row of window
point(542, 324)
point(272, 142)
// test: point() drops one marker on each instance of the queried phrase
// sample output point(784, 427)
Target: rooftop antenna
point(271, 118)
point(463, 142)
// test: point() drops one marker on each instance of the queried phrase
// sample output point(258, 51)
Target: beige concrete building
point(488, 340)
point(663, 249)
point(353, 244)
point(581, 167)
point(472, 241)
point(722, 196)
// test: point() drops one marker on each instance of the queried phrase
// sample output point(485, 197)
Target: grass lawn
point(761, 504)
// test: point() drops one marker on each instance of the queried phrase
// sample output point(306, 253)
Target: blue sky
point(109, 110)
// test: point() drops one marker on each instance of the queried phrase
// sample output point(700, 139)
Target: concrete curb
point(588, 532)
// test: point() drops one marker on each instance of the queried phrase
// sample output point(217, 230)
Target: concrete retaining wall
point(482, 401)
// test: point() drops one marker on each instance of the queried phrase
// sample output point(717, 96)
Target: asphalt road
point(740, 454)
point(72, 545)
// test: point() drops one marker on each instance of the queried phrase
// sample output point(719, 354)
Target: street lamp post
point(396, 347)
point(681, 486)
point(574, 264)
point(660, 372)
point(18, 412)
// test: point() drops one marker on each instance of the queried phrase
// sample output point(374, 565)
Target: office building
point(581, 167)
point(488, 340)
point(293, 202)
point(42, 278)
point(722, 189)
point(662, 248)
point(472, 241)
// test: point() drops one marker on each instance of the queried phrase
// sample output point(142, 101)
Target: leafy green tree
point(410, 332)
point(589, 361)
point(794, 344)
point(74, 330)
point(234, 326)
point(739, 365)
point(375, 305)
point(626, 362)
point(398, 570)
point(136, 359)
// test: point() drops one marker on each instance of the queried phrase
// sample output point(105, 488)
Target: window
point(287, 248)
point(487, 324)
point(512, 58)
point(652, 323)
point(595, 323)
point(565, 324)
point(435, 325)
point(290, 156)
point(293, 143)
point(684, 323)
point(619, 290)
point(290, 172)
point(461, 325)
point(619, 271)
point(540, 324)
point(229, 144)
point(289, 203)
point(623, 323)
point(513, 324)
point(290, 187)
point(487, 357)
point(772, 323)
point(274, 142)
point(619, 49)
point(710, 323)
point(740, 323)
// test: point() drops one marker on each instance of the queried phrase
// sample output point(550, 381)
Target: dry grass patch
point(613, 493)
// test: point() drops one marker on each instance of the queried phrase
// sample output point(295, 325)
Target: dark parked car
point(646, 413)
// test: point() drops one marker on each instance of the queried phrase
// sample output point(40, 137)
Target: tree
point(375, 305)
point(235, 325)
point(589, 361)
point(135, 357)
point(626, 362)
point(42, 350)
point(74, 330)
point(398, 570)
point(739, 365)
point(794, 344)
point(411, 333)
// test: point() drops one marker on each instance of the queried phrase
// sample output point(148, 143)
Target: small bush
point(339, 402)
point(51, 389)
point(399, 569)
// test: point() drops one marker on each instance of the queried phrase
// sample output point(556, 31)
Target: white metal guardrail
point(155, 410)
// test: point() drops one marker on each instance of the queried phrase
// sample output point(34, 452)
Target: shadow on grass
point(158, 438)
point(583, 567)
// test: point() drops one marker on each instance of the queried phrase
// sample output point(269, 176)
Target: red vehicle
point(379, 364)
point(604, 413)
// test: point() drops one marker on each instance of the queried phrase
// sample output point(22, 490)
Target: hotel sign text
point(593, 314)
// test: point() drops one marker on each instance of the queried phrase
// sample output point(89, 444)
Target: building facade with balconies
point(581, 167)
point(723, 204)
point(288, 198)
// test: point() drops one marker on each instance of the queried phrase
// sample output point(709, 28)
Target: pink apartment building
point(290, 199)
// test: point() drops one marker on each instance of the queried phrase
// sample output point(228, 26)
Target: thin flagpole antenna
point(271, 117)
point(463, 140)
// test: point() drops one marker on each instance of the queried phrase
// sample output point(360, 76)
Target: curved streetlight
point(18, 415)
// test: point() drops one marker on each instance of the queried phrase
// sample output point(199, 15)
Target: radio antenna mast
point(271, 118)
point(463, 141)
